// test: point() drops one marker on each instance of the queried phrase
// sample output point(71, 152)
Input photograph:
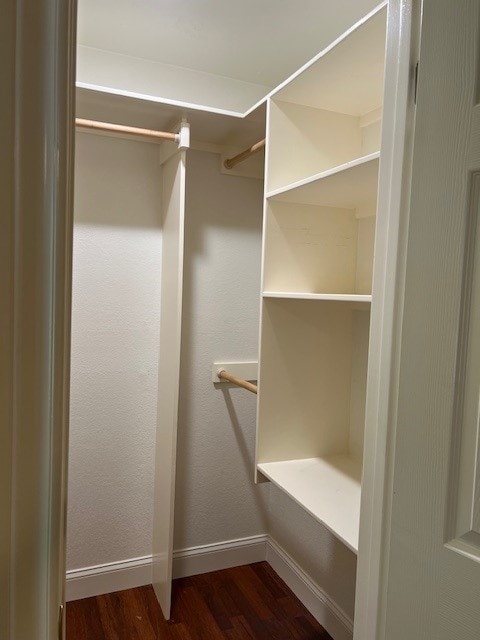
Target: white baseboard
point(116, 576)
point(213, 557)
point(338, 624)
point(107, 578)
point(127, 574)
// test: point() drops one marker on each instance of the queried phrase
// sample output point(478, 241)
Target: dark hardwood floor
point(243, 603)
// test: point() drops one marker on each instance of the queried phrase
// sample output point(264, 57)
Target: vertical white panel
point(173, 217)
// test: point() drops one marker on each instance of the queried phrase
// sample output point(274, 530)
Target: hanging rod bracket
point(182, 138)
point(239, 373)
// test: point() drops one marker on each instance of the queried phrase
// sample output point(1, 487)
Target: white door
point(431, 547)
point(173, 219)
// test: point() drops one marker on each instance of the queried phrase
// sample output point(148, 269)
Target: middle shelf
point(351, 185)
point(333, 297)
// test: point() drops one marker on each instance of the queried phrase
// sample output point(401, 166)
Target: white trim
point(136, 572)
point(390, 258)
point(316, 58)
point(338, 624)
point(214, 557)
point(149, 98)
point(109, 577)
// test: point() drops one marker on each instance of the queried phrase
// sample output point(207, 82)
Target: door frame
point(37, 62)
point(402, 57)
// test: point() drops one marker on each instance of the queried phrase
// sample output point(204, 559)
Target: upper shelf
point(328, 488)
point(347, 77)
point(348, 186)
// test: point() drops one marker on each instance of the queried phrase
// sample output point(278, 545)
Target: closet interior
point(316, 141)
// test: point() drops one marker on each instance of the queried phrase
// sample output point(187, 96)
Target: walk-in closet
point(227, 231)
point(239, 320)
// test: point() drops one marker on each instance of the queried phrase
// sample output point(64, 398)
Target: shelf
point(348, 186)
point(328, 488)
point(346, 77)
point(336, 297)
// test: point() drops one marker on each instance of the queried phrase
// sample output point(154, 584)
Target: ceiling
point(257, 41)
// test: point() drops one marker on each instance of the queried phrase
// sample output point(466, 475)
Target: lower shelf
point(328, 488)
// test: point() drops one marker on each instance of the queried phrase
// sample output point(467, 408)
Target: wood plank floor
point(243, 603)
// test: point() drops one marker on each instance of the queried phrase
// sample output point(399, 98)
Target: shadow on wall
point(114, 352)
point(216, 499)
point(245, 449)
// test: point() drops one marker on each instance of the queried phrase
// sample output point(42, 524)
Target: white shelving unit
point(322, 166)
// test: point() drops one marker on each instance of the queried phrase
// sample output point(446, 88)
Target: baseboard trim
point(213, 557)
point(127, 574)
point(338, 624)
point(107, 578)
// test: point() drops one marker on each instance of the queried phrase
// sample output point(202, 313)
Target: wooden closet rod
point(121, 128)
point(231, 162)
point(229, 377)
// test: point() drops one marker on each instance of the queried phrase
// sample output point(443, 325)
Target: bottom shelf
point(328, 488)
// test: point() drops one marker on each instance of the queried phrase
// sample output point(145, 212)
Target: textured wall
point(115, 328)
point(215, 495)
point(114, 368)
point(115, 353)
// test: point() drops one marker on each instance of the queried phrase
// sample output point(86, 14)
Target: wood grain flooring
point(243, 603)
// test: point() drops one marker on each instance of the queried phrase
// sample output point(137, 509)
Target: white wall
point(216, 498)
point(114, 368)
point(215, 495)
point(115, 353)
point(115, 328)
